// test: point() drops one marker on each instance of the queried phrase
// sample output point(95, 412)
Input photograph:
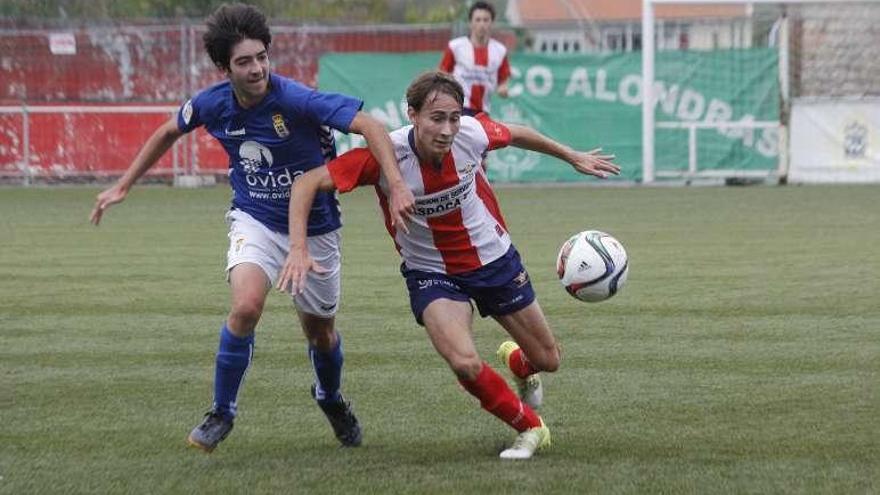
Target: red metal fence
point(74, 71)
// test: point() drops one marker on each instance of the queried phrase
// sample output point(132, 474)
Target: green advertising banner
point(590, 101)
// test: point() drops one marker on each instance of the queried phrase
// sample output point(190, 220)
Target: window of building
point(613, 40)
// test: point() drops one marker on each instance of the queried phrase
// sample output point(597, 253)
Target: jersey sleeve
point(189, 115)
point(333, 109)
point(447, 63)
point(504, 70)
point(498, 133)
point(354, 168)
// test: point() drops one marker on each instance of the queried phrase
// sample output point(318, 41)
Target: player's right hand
point(105, 199)
point(402, 206)
point(595, 163)
point(296, 268)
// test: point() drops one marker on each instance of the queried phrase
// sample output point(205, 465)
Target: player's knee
point(324, 341)
point(552, 364)
point(245, 314)
point(555, 359)
point(548, 359)
point(466, 367)
point(320, 331)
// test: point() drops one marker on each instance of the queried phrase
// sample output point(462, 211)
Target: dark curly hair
point(229, 25)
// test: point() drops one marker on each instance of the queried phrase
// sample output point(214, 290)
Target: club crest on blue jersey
point(280, 128)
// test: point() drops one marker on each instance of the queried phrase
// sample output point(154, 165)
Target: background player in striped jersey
point(478, 61)
point(274, 129)
point(457, 248)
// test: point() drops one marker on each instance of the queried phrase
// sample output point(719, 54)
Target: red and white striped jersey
point(457, 226)
point(479, 69)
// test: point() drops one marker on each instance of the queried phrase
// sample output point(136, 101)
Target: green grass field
point(741, 357)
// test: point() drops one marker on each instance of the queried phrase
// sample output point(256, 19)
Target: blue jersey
point(273, 143)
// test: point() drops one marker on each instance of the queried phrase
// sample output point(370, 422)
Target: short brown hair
point(434, 81)
point(481, 6)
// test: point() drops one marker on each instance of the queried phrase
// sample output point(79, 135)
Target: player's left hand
point(296, 270)
point(594, 162)
point(502, 90)
point(402, 205)
point(107, 198)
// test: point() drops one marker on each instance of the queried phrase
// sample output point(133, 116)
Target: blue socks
point(328, 372)
point(234, 357)
point(233, 360)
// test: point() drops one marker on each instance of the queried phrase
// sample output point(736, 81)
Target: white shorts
point(252, 242)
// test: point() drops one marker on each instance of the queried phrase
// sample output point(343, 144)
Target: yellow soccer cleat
point(530, 389)
point(528, 442)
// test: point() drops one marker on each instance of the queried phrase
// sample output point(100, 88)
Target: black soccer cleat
point(211, 432)
point(345, 424)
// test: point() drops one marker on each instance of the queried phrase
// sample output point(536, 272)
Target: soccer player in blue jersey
point(274, 130)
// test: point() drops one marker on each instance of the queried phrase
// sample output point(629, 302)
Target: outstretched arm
point(299, 262)
point(153, 149)
point(591, 162)
point(354, 168)
point(401, 201)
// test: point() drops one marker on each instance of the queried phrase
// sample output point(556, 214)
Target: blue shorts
point(499, 288)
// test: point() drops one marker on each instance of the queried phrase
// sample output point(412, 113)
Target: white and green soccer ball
point(592, 266)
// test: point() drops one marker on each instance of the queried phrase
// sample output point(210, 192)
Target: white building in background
point(590, 26)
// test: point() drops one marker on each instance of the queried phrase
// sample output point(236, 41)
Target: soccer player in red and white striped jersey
point(457, 248)
point(478, 62)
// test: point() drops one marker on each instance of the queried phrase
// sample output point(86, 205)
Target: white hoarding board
point(835, 141)
point(62, 43)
